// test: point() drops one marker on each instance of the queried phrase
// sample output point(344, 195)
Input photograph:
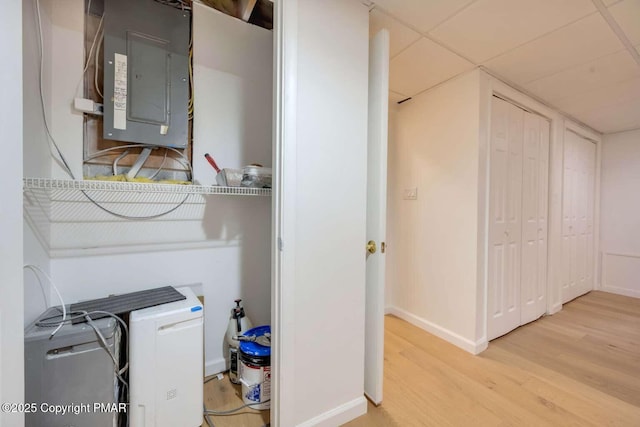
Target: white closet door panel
point(505, 212)
point(534, 216)
point(591, 178)
point(543, 214)
point(578, 208)
point(568, 238)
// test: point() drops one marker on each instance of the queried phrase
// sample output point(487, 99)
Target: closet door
point(577, 216)
point(533, 286)
point(505, 215)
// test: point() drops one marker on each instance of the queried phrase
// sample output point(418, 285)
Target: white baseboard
point(437, 330)
point(553, 310)
point(388, 310)
point(340, 415)
point(621, 291)
point(212, 367)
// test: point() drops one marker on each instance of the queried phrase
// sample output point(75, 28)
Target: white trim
point(148, 248)
point(597, 140)
point(284, 212)
point(621, 291)
point(614, 289)
point(215, 366)
point(441, 332)
point(490, 86)
point(554, 248)
point(484, 174)
point(582, 131)
point(340, 415)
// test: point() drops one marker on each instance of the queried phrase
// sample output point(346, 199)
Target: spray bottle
point(239, 323)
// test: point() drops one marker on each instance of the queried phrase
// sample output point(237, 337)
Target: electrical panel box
point(146, 72)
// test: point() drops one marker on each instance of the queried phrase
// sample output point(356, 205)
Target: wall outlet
point(410, 193)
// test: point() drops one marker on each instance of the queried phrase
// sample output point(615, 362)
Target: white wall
point(620, 213)
point(325, 318)
point(37, 159)
point(221, 243)
point(233, 71)
point(432, 253)
point(67, 42)
point(11, 332)
point(221, 274)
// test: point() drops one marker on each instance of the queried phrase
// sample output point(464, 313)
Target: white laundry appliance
point(166, 364)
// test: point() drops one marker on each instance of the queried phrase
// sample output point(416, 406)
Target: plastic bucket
point(255, 370)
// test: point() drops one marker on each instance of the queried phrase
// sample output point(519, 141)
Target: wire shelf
point(67, 215)
point(113, 186)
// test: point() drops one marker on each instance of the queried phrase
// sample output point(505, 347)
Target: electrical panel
point(146, 72)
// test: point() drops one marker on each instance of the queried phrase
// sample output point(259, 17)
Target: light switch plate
point(410, 193)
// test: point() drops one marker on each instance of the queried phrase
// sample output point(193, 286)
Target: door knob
point(371, 247)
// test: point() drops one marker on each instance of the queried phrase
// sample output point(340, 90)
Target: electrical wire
point(44, 323)
point(89, 56)
point(164, 159)
point(234, 410)
point(37, 269)
point(117, 159)
point(190, 109)
point(96, 64)
point(106, 346)
point(137, 218)
point(61, 158)
point(182, 159)
point(178, 4)
point(142, 217)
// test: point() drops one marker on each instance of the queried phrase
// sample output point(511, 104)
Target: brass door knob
point(371, 247)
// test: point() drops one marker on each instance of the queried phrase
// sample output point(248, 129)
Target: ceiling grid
point(579, 56)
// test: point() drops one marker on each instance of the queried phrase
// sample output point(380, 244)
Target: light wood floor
point(579, 367)
point(222, 395)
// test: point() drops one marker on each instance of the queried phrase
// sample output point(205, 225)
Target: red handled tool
point(212, 162)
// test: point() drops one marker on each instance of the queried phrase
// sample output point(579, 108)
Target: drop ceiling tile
point(608, 70)
point(423, 65)
point(422, 14)
point(396, 97)
point(401, 36)
point(604, 97)
point(627, 15)
point(583, 41)
point(614, 118)
point(489, 28)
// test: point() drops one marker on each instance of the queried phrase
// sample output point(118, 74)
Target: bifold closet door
point(518, 194)
point(577, 216)
point(535, 174)
point(505, 215)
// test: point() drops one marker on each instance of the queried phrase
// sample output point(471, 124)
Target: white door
point(376, 213)
point(505, 213)
point(577, 216)
point(533, 287)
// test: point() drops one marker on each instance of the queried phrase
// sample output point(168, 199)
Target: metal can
point(233, 365)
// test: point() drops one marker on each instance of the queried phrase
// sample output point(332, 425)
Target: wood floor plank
point(579, 367)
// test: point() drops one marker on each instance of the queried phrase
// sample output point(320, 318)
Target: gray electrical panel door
point(146, 72)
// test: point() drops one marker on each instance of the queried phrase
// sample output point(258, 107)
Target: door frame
point(491, 85)
point(283, 210)
point(595, 138)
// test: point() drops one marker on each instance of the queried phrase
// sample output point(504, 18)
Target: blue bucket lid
point(252, 348)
